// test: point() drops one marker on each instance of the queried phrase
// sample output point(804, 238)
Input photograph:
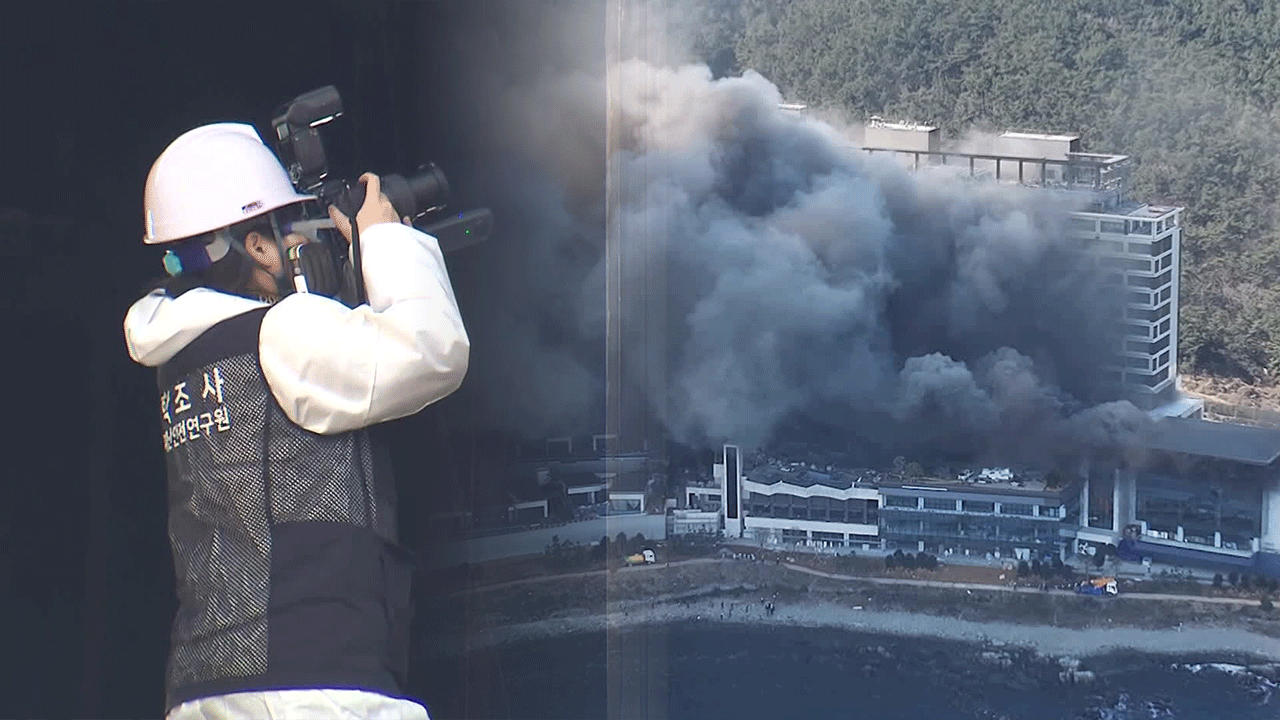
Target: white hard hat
point(211, 177)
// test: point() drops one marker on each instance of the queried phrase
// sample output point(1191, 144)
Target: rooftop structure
point(978, 483)
point(905, 135)
point(1245, 444)
point(796, 474)
point(1099, 180)
point(1069, 139)
point(1038, 144)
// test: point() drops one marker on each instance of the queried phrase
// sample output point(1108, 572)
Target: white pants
point(300, 705)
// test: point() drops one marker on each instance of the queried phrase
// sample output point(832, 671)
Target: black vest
point(289, 574)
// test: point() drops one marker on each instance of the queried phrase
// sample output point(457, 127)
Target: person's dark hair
point(232, 274)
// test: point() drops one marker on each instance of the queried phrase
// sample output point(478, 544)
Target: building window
point(1152, 380)
point(603, 444)
point(1139, 298)
point(1164, 327)
point(1016, 509)
point(760, 506)
point(1149, 315)
point(900, 501)
point(1052, 511)
point(1119, 263)
point(1166, 261)
point(1083, 225)
point(1205, 498)
point(790, 535)
point(733, 479)
point(977, 506)
point(1161, 246)
point(832, 539)
point(1142, 331)
point(1072, 516)
point(1162, 360)
point(1140, 363)
point(780, 506)
point(1150, 348)
point(1165, 293)
point(1139, 227)
point(624, 505)
point(1151, 282)
point(1112, 227)
point(1101, 490)
point(939, 503)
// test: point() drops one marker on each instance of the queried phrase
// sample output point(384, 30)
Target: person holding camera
point(293, 589)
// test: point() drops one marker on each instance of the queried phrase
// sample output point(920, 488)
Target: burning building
point(1200, 493)
point(980, 512)
point(1135, 245)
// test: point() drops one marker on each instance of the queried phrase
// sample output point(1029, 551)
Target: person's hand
point(377, 208)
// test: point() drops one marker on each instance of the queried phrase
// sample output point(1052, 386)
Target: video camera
point(325, 267)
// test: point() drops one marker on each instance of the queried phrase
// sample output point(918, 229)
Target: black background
point(92, 92)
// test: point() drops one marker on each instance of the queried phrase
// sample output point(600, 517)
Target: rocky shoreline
point(979, 648)
point(1046, 640)
point(736, 591)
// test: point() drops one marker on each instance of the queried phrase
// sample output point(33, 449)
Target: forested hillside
point(1189, 88)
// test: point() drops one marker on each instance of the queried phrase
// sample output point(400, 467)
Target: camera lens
point(429, 187)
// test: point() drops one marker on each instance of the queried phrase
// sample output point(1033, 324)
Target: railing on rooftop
point(1080, 171)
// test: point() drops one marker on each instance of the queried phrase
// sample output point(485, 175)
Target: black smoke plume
point(773, 274)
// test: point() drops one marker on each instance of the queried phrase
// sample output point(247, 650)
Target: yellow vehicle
point(644, 557)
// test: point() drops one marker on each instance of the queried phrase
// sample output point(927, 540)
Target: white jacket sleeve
point(335, 369)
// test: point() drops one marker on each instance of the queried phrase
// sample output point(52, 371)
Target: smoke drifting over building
point(802, 279)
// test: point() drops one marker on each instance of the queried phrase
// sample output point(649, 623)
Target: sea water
point(698, 671)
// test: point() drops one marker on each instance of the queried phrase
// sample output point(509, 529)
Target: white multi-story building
point(795, 505)
point(1139, 247)
point(1136, 244)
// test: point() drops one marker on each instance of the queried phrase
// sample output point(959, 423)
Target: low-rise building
point(795, 504)
point(991, 512)
point(1206, 494)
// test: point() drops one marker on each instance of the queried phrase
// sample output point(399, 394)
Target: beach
point(1045, 639)
point(747, 639)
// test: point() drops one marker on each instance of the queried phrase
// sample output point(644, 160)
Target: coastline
point(1045, 640)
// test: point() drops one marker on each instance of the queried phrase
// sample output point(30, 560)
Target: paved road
point(1009, 588)
point(586, 573)
point(1168, 597)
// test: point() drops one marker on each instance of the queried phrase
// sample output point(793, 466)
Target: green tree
point(1190, 89)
